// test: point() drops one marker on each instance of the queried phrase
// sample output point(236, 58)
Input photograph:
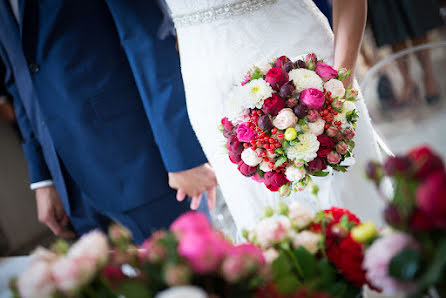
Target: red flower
point(234, 145)
point(397, 165)
point(317, 164)
point(431, 195)
point(246, 170)
point(235, 157)
point(274, 181)
point(425, 161)
point(273, 105)
point(281, 61)
point(326, 145)
point(228, 127)
point(276, 77)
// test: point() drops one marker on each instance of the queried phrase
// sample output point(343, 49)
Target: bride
point(219, 40)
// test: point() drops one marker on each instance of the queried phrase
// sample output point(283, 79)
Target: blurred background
point(401, 71)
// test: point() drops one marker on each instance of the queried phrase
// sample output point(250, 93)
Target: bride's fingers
point(180, 195)
point(212, 198)
point(195, 202)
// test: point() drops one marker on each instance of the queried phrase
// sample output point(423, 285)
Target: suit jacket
point(96, 90)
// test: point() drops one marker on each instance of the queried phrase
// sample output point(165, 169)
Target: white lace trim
point(221, 12)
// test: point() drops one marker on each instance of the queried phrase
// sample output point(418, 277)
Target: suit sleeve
point(156, 68)
point(38, 170)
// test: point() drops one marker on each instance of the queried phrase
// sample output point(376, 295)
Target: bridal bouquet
point(323, 251)
point(411, 258)
point(290, 121)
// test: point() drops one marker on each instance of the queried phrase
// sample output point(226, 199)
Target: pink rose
point(203, 251)
point(72, 273)
point(272, 230)
point(36, 281)
point(276, 77)
point(93, 245)
point(325, 71)
point(244, 133)
point(291, 102)
point(285, 119)
point(349, 133)
point(332, 131)
point(152, 249)
point(333, 157)
point(313, 115)
point(228, 127)
point(246, 170)
point(241, 261)
point(341, 148)
point(274, 181)
point(191, 222)
point(310, 61)
point(273, 105)
point(247, 78)
point(312, 98)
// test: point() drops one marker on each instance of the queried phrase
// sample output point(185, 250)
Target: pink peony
point(325, 71)
point(276, 77)
point(377, 258)
point(203, 251)
point(333, 158)
point(191, 222)
point(312, 98)
point(285, 119)
point(244, 133)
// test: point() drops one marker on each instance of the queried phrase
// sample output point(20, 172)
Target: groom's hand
point(50, 211)
point(194, 183)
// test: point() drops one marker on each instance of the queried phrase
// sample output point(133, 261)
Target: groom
point(100, 104)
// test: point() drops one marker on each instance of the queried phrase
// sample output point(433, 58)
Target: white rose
point(309, 240)
point(317, 127)
point(182, 292)
point(294, 174)
point(300, 215)
point(304, 79)
point(335, 87)
point(72, 273)
point(250, 157)
point(270, 255)
point(347, 106)
point(233, 107)
point(264, 66)
point(264, 166)
point(93, 245)
point(271, 230)
point(285, 119)
point(36, 281)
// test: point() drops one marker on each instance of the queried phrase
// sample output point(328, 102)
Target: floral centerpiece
point(320, 252)
point(290, 121)
point(411, 258)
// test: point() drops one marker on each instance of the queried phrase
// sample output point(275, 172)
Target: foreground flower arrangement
point(412, 258)
point(190, 260)
point(320, 252)
point(290, 121)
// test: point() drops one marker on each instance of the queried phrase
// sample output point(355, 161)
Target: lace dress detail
point(218, 44)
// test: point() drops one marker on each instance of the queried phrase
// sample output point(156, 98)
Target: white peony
point(342, 116)
point(304, 79)
point(305, 149)
point(72, 273)
point(264, 66)
point(264, 166)
point(300, 215)
point(309, 240)
point(285, 119)
point(317, 127)
point(294, 174)
point(36, 281)
point(256, 92)
point(250, 157)
point(93, 245)
point(233, 108)
point(270, 255)
point(43, 254)
point(182, 292)
point(271, 230)
point(335, 87)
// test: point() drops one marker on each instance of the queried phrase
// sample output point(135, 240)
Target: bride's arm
point(349, 18)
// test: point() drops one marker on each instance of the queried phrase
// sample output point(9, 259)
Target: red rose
point(246, 170)
point(276, 77)
point(425, 161)
point(234, 145)
point(431, 194)
point(420, 221)
point(274, 181)
point(281, 61)
point(326, 145)
point(317, 164)
point(273, 105)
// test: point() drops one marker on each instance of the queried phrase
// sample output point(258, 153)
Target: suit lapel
point(8, 28)
point(21, 13)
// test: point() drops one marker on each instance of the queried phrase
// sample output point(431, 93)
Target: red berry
point(274, 131)
point(264, 154)
point(266, 159)
point(246, 145)
point(278, 145)
point(271, 165)
point(271, 151)
point(259, 112)
point(326, 126)
point(266, 146)
point(321, 113)
point(325, 112)
point(329, 93)
point(271, 140)
point(258, 143)
point(335, 112)
point(266, 139)
point(253, 147)
point(280, 136)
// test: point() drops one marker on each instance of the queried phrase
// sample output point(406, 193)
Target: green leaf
point(307, 262)
point(287, 285)
point(280, 151)
point(285, 145)
point(405, 265)
point(320, 173)
point(134, 289)
point(281, 267)
point(260, 172)
point(345, 222)
point(326, 272)
point(340, 168)
point(281, 161)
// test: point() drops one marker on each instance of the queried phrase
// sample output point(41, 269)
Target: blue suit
point(100, 103)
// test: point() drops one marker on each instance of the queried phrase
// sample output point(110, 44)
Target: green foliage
point(405, 265)
point(320, 173)
point(133, 289)
point(260, 172)
point(340, 168)
point(281, 161)
point(346, 223)
point(351, 116)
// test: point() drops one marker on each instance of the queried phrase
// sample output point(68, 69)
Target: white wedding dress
point(219, 40)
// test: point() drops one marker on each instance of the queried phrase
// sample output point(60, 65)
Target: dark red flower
point(425, 161)
point(228, 127)
point(113, 274)
point(280, 62)
point(235, 157)
point(274, 181)
point(421, 221)
point(287, 89)
point(326, 145)
point(273, 105)
point(276, 77)
point(234, 145)
point(317, 164)
point(431, 194)
point(246, 170)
